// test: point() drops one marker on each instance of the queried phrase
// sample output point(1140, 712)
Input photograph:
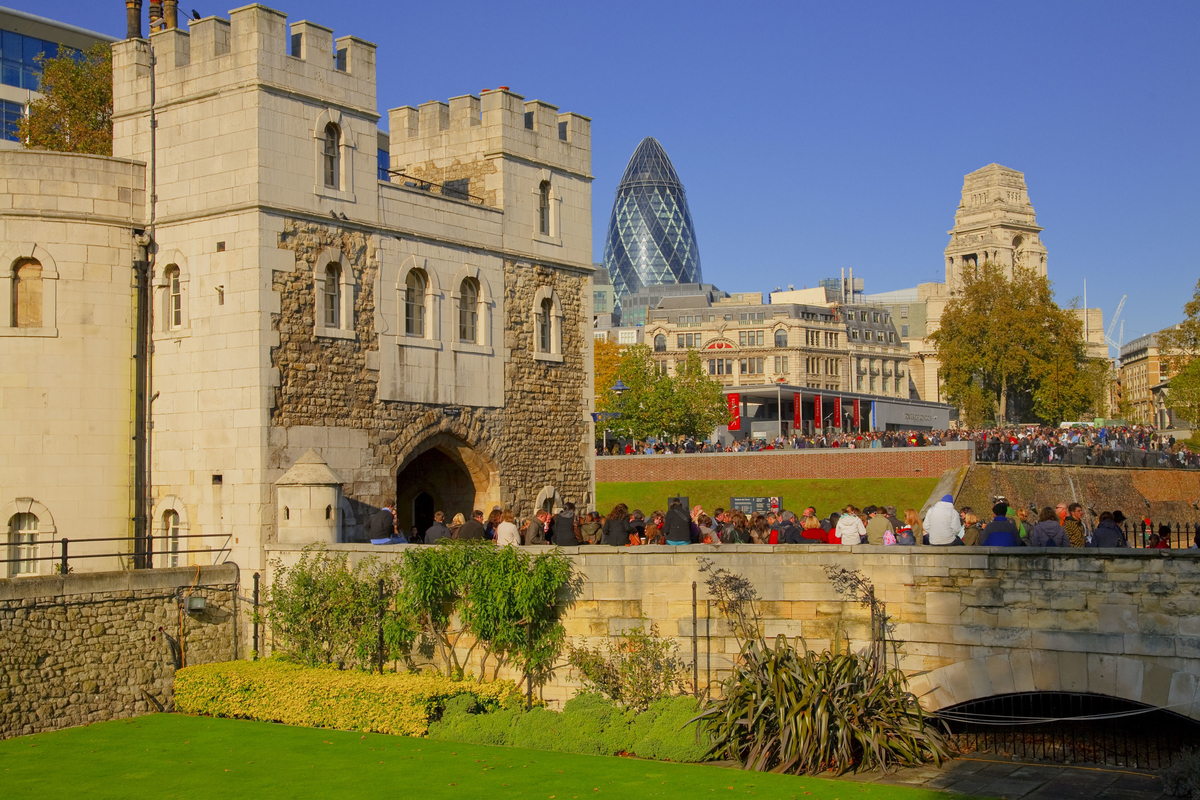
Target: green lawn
point(170, 755)
point(829, 494)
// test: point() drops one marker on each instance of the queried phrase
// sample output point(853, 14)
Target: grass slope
point(829, 494)
point(170, 755)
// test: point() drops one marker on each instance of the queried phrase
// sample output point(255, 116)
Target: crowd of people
point(943, 525)
point(1127, 446)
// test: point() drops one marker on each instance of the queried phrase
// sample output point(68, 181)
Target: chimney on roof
point(133, 19)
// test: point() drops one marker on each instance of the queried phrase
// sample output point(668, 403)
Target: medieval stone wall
point(536, 440)
point(77, 649)
point(971, 622)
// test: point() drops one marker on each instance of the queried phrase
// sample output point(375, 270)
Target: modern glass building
point(650, 236)
point(24, 37)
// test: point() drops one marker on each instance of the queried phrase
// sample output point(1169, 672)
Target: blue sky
point(812, 137)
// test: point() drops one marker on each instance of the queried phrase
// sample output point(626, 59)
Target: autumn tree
point(606, 357)
point(697, 402)
point(1006, 346)
point(1179, 346)
point(75, 113)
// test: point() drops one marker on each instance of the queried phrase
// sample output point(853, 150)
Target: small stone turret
point(308, 497)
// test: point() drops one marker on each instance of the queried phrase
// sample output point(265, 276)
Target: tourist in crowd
point(382, 524)
point(737, 528)
point(1108, 533)
point(1001, 531)
point(1023, 524)
point(878, 526)
point(850, 529)
point(912, 522)
point(829, 525)
point(507, 534)
point(943, 525)
point(438, 530)
point(1076, 530)
point(590, 531)
point(472, 529)
point(707, 534)
point(1164, 537)
point(1048, 532)
point(811, 531)
point(564, 527)
point(677, 526)
point(493, 520)
point(456, 524)
point(415, 536)
point(760, 530)
point(534, 530)
point(616, 526)
point(972, 530)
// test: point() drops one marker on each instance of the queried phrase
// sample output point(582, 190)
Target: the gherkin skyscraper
point(650, 236)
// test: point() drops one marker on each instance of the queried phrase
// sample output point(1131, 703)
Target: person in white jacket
point(943, 525)
point(850, 528)
point(506, 531)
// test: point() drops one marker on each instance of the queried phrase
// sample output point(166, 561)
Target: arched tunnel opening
point(1070, 728)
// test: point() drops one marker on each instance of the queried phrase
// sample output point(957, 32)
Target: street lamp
point(618, 388)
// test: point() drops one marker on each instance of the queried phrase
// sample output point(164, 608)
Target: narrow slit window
point(333, 296)
point(414, 304)
point(468, 311)
point(331, 156)
point(544, 208)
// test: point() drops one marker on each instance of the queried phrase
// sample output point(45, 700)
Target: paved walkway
point(996, 777)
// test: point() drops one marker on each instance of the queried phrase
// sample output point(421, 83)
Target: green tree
point(697, 403)
point(1180, 347)
point(688, 403)
point(75, 115)
point(1003, 339)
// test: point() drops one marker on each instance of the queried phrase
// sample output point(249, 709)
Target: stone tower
point(416, 330)
point(994, 222)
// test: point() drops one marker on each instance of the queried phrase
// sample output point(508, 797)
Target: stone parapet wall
point(906, 462)
point(77, 649)
point(978, 621)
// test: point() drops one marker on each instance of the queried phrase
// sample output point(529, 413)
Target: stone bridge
point(971, 622)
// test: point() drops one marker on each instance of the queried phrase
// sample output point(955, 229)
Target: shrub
point(635, 670)
point(787, 709)
point(1182, 778)
point(589, 724)
point(672, 733)
point(276, 691)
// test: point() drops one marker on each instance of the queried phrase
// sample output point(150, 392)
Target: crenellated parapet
point(497, 121)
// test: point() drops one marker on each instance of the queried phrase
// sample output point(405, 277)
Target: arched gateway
point(444, 473)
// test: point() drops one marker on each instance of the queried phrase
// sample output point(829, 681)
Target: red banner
point(837, 413)
point(735, 411)
point(797, 412)
point(857, 426)
point(818, 422)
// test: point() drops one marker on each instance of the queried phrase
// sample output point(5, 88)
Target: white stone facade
point(280, 309)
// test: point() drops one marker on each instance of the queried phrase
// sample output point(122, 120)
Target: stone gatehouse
point(413, 306)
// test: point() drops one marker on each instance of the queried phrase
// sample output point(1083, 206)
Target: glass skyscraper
point(650, 236)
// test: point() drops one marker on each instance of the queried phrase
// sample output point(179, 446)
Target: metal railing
point(142, 556)
point(1083, 456)
point(1178, 535)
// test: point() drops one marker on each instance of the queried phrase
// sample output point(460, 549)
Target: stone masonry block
point(1072, 672)
point(1118, 618)
point(1156, 685)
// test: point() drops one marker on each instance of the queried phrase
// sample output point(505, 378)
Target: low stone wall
point(84, 648)
point(977, 621)
point(834, 462)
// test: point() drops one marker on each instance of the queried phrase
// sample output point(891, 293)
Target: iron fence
point(1178, 536)
point(1065, 727)
point(143, 554)
point(1085, 456)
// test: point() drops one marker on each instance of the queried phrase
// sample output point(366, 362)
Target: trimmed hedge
point(588, 724)
point(277, 691)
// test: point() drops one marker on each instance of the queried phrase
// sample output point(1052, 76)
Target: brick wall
point(105, 645)
point(907, 462)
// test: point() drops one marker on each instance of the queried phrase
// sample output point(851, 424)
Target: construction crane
point(1112, 326)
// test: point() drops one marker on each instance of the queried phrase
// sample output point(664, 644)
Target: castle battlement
point(496, 122)
point(256, 46)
